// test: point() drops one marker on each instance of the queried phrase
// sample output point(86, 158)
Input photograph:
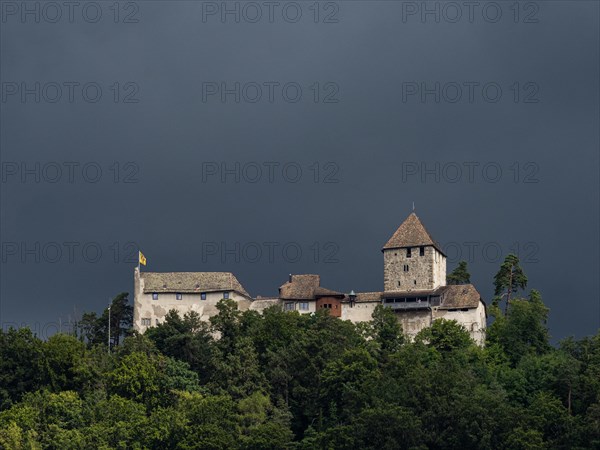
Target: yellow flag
point(142, 259)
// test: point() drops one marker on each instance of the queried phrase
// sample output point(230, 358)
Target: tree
point(460, 275)
point(136, 378)
point(524, 330)
point(386, 427)
point(117, 422)
point(238, 370)
point(387, 329)
point(212, 419)
point(343, 379)
point(87, 328)
point(187, 339)
point(509, 279)
point(445, 335)
point(46, 420)
point(21, 364)
point(227, 323)
point(94, 329)
point(63, 354)
point(121, 317)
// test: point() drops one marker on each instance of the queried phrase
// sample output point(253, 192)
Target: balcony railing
point(408, 305)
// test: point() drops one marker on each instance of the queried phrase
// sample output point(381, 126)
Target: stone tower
point(412, 260)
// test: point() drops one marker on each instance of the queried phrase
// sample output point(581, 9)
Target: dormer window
point(421, 251)
point(408, 252)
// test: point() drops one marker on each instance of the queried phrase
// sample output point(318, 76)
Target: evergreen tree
point(94, 329)
point(460, 274)
point(509, 279)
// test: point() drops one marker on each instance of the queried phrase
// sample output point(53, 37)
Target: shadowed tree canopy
point(460, 274)
point(94, 329)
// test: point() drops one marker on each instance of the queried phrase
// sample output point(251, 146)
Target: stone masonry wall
point(424, 272)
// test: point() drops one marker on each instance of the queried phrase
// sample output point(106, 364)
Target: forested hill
point(287, 381)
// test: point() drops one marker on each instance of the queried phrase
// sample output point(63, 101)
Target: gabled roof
point(191, 282)
point(368, 297)
point(305, 287)
point(451, 296)
point(324, 292)
point(301, 287)
point(459, 296)
point(411, 233)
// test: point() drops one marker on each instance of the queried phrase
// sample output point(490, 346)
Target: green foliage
point(387, 330)
point(460, 274)
point(187, 339)
point(343, 380)
point(94, 330)
point(136, 377)
point(523, 330)
point(283, 380)
point(63, 358)
point(21, 364)
point(509, 279)
point(445, 336)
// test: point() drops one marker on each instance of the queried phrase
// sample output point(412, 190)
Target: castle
point(414, 287)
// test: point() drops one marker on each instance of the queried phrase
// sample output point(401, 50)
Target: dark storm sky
point(361, 138)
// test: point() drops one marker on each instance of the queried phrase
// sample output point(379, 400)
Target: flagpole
point(109, 305)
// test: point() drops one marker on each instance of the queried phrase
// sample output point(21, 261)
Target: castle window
point(203, 296)
point(154, 296)
point(157, 322)
point(398, 283)
point(408, 252)
point(304, 306)
point(405, 269)
point(421, 251)
point(289, 306)
point(415, 282)
point(146, 322)
point(178, 296)
point(225, 294)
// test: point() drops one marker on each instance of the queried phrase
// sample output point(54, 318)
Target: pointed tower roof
point(411, 233)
